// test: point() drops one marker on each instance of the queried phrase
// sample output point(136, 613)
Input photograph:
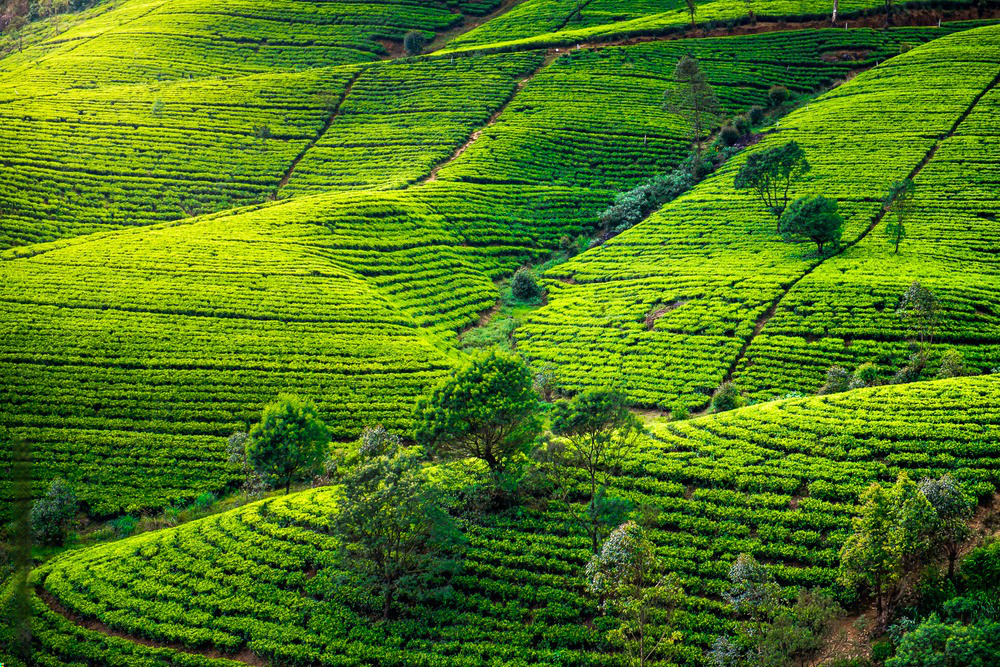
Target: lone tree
point(693, 100)
point(628, 578)
point(290, 440)
point(598, 432)
point(692, 7)
point(487, 409)
point(813, 218)
point(53, 513)
point(919, 309)
point(899, 205)
point(770, 174)
point(393, 529)
point(891, 534)
point(954, 510)
point(414, 42)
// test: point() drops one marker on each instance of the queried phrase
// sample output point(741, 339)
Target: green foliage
point(634, 205)
point(777, 95)
point(524, 286)
point(597, 433)
point(289, 441)
point(414, 42)
point(728, 397)
point(486, 409)
point(770, 173)
point(953, 509)
point(694, 100)
point(813, 218)
point(892, 533)
point(628, 578)
point(394, 532)
point(54, 513)
point(920, 309)
point(952, 364)
point(378, 441)
point(124, 526)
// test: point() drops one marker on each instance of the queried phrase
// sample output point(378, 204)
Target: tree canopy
point(290, 440)
point(814, 218)
point(770, 174)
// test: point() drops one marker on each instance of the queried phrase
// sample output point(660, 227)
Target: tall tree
point(899, 205)
point(889, 536)
point(770, 174)
point(628, 577)
point(692, 7)
point(813, 218)
point(954, 510)
point(394, 531)
point(597, 432)
point(693, 99)
point(920, 309)
point(487, 409)
point(289, 441)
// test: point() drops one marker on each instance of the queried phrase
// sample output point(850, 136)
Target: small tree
point(813, 218)
point(376, 441)
point(694, 100)
point(53, 514)
point(524, 286)
point(920, 309)
point(899, 205)
point(414, 42)
point(954, 510)
point(952, 365)
point(392, 527)
point(158, 107)
point(753, 594)
point(236, 453)
point(628, 578)
point(837, 380)
point(599, 432)
point(770, 174)
point(290, 440)
point(797, 632)
point(692, 7)
point(728, 397)
point(778, 95)
point(487, 409)
point(890, 535)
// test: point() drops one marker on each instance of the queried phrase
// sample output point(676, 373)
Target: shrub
point(125, 525)
point(728, 397)
point(729, 135)
point(524, 286)
point(912, 371)
point(778, 95)
point(204, 501)
point(952, 364)
point(679, 412)
point(377, 440)
point(414, 42)
point(158, 107)
point(837, 380)
point(52, 515)
point(742, 124)
point(756, 114)
point(867, 373)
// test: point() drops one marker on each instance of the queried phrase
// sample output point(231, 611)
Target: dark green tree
point(53, 513)
point(770, 174)
point(414, 42)
point(486, 409)
point(597, 432)
point(899, 205)
point(290, 441)
point(692, 7)
point(693, 99)
point(393, 528)
point(813, 218)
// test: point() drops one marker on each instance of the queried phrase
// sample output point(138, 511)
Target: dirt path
point(469, 24)
point(432, 176)
point(334, 112)
point(876, 219)
point(245, 656)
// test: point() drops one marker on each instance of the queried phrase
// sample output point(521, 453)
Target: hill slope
point(779, 480)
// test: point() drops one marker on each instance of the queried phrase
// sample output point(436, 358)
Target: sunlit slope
point(538, 23)
point(779, 481)
point(95, 159)
point(706, 268)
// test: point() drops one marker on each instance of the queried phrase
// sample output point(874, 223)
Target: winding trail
point(335, 111)
point(876, 219)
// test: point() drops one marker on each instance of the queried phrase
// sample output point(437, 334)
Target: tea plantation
point(779, 481)
point(204, 206)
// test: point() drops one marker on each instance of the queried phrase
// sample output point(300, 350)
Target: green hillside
point(779, 481)
point(711, 267)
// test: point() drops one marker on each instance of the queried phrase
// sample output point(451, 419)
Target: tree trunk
point(288, 485)
point(387, 603)
point(888, 13)
point(951, 565)
point(836, 5)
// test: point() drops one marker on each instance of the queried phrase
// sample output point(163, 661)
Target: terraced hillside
point(779, 481)
point(351, 287)
point(704, 290)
